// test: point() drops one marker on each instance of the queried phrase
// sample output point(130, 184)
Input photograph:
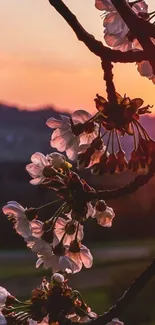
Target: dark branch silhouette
point(130, 188)
point(135, 24)
point(94, 45)
point(116, 311)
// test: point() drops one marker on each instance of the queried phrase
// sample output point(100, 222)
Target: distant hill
point(24, 132)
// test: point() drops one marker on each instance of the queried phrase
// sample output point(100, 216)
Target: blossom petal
point(13, 209)
point(81, 116)
point(36, 228)
point(37, 180)
point(86, 257)
point(104, 5)
point(145, 69)
point(22, 227)
point(54, 123)
point(69, 265)
point(39, 159)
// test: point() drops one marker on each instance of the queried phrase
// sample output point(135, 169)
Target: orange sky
point(42, 63)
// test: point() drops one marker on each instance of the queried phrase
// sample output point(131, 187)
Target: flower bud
point(57, 278)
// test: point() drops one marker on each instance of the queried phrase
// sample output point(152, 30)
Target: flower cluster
point(47, 304)
point(118, 36)
point(57, 241)
point(117, 119)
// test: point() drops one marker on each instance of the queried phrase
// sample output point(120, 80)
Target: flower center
point(74, 247)
point(70, 228)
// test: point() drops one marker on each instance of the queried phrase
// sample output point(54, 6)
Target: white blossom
point(104, 216)
point(83, 257)
point(64, 138)
point(62, 226)
point(116, 32)
point(35, 169)
point(3, 297)
point(22, 225)
point(39, 162)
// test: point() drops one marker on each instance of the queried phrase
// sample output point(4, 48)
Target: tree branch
point(116, 311)
point(142, 26)
point(130, 188)
point(135, 24)
point(108, 77)
point(94, 45)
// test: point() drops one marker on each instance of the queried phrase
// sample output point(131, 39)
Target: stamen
point(48, 204)
point(99, 131)
point(104, 134)
point(113, 149)
point(54, 218)
point(118, 140)
point(142, 128)
point(134, 136)
point(140, 131)
point(77, 231)
point(108, 143)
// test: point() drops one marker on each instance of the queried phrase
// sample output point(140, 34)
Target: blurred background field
point(116, 265)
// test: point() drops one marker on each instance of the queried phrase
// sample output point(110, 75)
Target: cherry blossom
point(80, 254)
point(103, 214)
point(22, 225)
point(40, 162)
point(69, 227)
point(69, 265)
point(116, 32)
point(3, 297)
point(71, 132)
point(40, 246)
point(48, 261)
point(104, 5)
point(118, 36)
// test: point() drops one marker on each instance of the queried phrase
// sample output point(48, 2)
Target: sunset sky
point(42, 62)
